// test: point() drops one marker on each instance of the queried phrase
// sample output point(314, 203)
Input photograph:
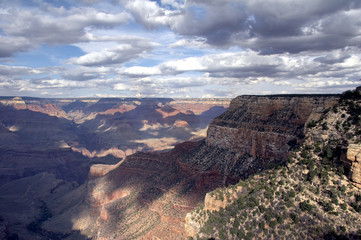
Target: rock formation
point(148, 195)
point(309, 196)
point(54, 142)
point(354, 157)
point(256, 133)
point(161, 187)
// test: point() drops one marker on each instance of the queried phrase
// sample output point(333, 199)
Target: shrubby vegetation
point(310, 197)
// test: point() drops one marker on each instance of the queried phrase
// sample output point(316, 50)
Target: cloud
point(197, 43)
point(25, 29)
point(58, 84)
point(123, 52)
point(337, 56)
point(84, 76)
point(274, 26)
point(10, 45)
point(17, 70)
point(226, 64)
point(161, 86)
point(150, 14)
point(249, 67)
point(180, 48)
point(138, 71)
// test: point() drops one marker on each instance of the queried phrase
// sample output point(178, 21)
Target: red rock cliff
point(257, 132)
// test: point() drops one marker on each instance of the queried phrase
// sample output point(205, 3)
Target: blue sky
point(174, 48)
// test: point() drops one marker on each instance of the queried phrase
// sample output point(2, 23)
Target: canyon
point(50, 147)
point(314, 194)
point(148, 194)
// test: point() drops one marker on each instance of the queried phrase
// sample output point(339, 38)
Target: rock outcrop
point(256, 132)
point(309, 196)
point(213, 202)
point(191, 226)
point(216, 200)
point(354, 157)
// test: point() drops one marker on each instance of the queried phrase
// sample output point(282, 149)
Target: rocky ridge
point(315, 196)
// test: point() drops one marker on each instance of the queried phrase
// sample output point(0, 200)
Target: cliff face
point(316, 195)
point(354, 158)
point(257, 132)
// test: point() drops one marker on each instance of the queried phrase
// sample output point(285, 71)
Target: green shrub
point(306, 206)
point(294, 217)
point(334, 109)
point(262, 208)
point(290, 160)
point(311, 175)
point(262, 225)
point(268, 193)
point(340, 170)
point(305, 153)
point(289, 203)
point(356, 206)
point(279, 219)
point(317, 148)
point(328, 207)
point(252, 202)
point(343, 206)
point(272, 224)
point(241, 234)
point(357, 197)
point(268, 216)
point(311, 124)
point(327, 152)
point(291, 193)
point(333, 196)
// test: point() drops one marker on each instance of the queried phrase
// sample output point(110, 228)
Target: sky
point(178, 48)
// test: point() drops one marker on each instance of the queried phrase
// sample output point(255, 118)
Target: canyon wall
point(148, 195)
point(324, 166)
point(256, 132)
point(56, 156)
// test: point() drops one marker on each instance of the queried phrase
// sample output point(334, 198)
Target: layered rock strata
point(256, 133)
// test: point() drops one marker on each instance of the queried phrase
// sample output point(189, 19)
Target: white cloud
point(17, 70)
point(122, 53)
point(25, 29)
point(150, 14)
point(190, 43)
point(121, 86)
point(142, 71)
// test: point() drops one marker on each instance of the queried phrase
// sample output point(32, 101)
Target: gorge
point(149, 193)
